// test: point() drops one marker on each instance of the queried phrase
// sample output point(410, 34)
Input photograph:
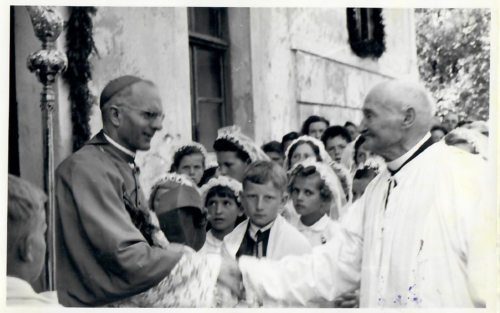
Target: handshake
point(230, 278)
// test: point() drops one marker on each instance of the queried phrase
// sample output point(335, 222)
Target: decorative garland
point(79, 46)
point(366, 47)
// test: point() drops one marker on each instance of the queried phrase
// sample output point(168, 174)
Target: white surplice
point(425, 245)
point(284, 240)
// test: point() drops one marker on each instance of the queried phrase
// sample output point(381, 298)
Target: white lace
point(318, 143)
point(326, 174)
point(233, 134)
point(195, 145)
point(225, 181)
point(174, 178)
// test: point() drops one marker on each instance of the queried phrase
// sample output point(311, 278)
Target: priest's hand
point(348, 300)
point(230, 277)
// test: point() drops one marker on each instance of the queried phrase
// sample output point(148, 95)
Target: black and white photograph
point(250, 155)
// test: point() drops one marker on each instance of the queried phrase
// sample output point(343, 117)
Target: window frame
point(369, 20)
point(221, 46)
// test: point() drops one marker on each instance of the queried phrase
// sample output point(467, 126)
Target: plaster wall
point(302, 64)
point(273, 74)
point(241, 69)
point(151, 43)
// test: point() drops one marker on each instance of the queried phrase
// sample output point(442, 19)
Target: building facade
point(264, 69)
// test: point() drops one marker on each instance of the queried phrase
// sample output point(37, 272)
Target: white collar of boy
point(252, 230)
point(319, 226)
point(119, 146)
point(395, 164)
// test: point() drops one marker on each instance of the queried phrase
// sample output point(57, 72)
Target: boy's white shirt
point(284, 240)
point(318, 233)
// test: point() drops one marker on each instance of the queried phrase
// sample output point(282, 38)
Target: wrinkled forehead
point(145, 95)
point(382, 99)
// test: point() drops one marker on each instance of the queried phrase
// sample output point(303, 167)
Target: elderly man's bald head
point(402, 95)
point(396, 115)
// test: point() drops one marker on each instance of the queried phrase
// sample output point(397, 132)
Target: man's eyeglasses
point(148, 115)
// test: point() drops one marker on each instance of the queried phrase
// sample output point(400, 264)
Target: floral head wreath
point(318, 143)
point(173, 180)
point(234, 135)
point(345, 179)
point(326, 174)
point(375, 163)
point(480, 126)
point(478, 141)
point(192, 144)
point(225, 181)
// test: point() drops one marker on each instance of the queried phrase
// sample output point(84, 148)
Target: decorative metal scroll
point(48, 63)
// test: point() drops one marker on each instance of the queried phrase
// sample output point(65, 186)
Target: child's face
point(362, 155)
point(302, 152)
point(230, 165)
point(262, 202)
point(276, 157)
point(306, 197)
point(192, 166)
point(335, 147)
point(317, 129)
point(437, 134)
point(223, 212)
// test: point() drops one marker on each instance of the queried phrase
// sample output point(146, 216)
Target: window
point(366, 31)
point(208, 49)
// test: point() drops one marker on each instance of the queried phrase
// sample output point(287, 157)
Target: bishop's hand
point(230, 277)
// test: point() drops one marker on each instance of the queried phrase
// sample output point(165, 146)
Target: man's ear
point(409, 117)
point(242, 206)
point(241, 210)
point(114, 115)
point(284, 198)
point(25, 248)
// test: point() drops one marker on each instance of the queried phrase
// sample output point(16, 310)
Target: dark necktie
point(392, 181)
point(259, 245)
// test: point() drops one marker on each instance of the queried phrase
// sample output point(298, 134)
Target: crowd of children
point(271, 201)
point(280, 199)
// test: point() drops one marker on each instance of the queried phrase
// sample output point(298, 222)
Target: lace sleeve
point(191, 284)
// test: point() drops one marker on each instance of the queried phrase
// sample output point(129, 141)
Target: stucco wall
point(273, 74)
point(150, 43)
point(303, 65)
point(286, 63)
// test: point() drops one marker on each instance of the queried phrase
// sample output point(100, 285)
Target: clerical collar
point(119, 146)
point(254, 228)
point(396, 164)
